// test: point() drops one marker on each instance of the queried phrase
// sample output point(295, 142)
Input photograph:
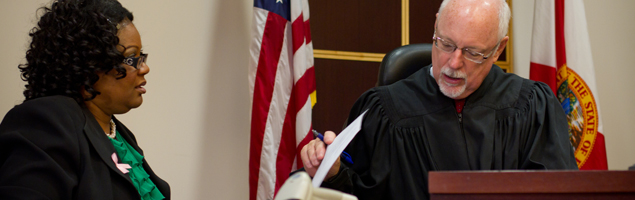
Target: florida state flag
point(561, 57)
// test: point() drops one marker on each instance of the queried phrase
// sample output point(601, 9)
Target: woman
point(64, 142)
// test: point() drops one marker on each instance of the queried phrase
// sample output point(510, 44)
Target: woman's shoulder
point(51, 100)
point(51, 109)
point(57, 103)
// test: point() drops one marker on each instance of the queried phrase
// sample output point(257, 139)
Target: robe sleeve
point(544, 141)
point(370, 150)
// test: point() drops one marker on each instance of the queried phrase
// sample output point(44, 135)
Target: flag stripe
point(561, 52)
point(543, 73)
point(273, 37)
point(298, 33)
point(307, 31)
point(305, 86)
point(260, 19)
point(543, 55)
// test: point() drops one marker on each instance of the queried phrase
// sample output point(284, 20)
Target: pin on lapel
point(123, 167)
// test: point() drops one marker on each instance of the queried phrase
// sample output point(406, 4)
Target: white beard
point(451, 90)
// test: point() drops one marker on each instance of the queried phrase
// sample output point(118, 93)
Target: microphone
point(299, 187)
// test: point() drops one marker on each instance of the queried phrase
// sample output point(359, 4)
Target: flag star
point(278, 1)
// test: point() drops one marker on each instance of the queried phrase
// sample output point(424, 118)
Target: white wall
point(611, 32)
point(194, 123)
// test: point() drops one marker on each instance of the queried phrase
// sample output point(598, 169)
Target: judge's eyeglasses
point(468, 54)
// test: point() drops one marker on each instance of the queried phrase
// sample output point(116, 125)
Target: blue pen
point(345, 155)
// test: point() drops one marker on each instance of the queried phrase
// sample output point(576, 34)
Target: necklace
point(113, 130)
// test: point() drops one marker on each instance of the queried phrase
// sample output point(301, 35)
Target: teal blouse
point(140, 178)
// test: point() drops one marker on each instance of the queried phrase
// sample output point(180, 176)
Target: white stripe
point(309, 54)
point(579, 57)
point(260, 20)
point(305, 9)
point(299, 63)
point(275, 120)
point(296, 9)
point(543, 44)
point(303, 122)
point(302, 127)
point(303, 59)
point(299, 57)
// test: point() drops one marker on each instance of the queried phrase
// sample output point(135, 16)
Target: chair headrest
point(403, 62)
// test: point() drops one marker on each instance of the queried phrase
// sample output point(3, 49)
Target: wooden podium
point(494, 185)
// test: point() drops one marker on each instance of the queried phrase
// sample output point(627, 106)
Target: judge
point(462, 112)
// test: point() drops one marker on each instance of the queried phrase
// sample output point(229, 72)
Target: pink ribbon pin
point(123, 167)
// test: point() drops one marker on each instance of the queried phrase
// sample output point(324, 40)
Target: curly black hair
point(72, 42)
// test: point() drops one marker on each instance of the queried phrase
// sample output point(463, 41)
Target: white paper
point(334, 150)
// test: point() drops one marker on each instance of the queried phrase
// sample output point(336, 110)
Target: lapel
point(100, 142)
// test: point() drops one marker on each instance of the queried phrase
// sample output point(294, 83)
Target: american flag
point(282, 87)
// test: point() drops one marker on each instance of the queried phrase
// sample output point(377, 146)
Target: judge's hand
point(313, 153)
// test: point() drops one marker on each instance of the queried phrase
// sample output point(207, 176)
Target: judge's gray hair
point(504, 14)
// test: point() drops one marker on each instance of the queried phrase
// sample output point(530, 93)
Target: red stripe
point(272, 41)
point(597, 158)
point(287, 152)
point(561, 52)
point(543, 73)
point(298, 33)
point(305, 86)
point(307, 31)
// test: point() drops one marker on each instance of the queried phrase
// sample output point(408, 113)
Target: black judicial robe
point(411, 128)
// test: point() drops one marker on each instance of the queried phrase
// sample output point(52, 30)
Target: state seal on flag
point(581, 109)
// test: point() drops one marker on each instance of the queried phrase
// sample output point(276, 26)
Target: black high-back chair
point(403, 62)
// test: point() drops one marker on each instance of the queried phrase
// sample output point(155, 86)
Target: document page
point(334, 150)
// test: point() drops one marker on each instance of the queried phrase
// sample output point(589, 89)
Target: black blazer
point(51, 148)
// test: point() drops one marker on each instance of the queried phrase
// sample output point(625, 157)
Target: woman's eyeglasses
point(136, 61)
